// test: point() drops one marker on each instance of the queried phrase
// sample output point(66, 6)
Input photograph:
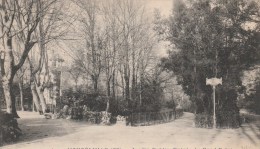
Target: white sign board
point(213, 81)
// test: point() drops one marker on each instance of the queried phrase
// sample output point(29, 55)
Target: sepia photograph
point(129, 74)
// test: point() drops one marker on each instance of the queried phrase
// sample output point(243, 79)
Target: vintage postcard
point(130, 74)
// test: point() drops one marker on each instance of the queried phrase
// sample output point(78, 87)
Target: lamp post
point(214, 82)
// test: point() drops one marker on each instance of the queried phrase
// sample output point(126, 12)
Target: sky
point(165, 6)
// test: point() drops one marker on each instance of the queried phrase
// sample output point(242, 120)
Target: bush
point(203, 120)
point(179, 112)
point(171, 104)
point(252, 102)
point(76, 113)
point(95, 101)
point(227, 111)
point(9, 128)
point(228, 119)
point(98, 117)
point(113, 120)
point(224, 119)
point(247, 118)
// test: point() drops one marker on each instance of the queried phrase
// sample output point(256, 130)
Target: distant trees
point(250, 98)
point(118, 47)
point(89, 57)
point(212, 39)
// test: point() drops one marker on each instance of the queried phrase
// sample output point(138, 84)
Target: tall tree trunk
point(113, 85)
point(127, 90)
point(36, 97)
point(113, 97)
point(141, 86)
point(108, 104)
point(108, 88)
point(8, 72)
point(123, 84)
point(108, 94)
point(95, 81)
point(33, 106)
point(40, 91)
point(21, 93)
point(133, 94)
point(9, 97)
point(133, 76)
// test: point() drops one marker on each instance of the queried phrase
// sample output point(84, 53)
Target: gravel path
point(40, 133)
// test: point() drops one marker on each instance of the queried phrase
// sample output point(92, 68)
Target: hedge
point(203, 120)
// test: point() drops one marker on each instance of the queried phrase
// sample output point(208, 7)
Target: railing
point(152, 118)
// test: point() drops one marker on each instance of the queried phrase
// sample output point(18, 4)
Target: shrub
point(9, 127)
point(203, 120)
point(95, 101)
point(247, 118)
point(113, 120)
point(98, 117)
point(171, 104)
point(228, 118)
point(227, 112)
point(179, 112)
point(77, 113)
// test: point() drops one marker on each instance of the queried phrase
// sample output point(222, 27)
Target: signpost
point(214, 82)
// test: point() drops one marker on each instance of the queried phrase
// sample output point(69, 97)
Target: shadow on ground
point(252, 129)
point(34, 129)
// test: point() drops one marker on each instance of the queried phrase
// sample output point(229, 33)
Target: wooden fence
point(152, 118)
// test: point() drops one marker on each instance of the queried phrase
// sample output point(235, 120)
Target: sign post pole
point(214, 82)
point(214, 103)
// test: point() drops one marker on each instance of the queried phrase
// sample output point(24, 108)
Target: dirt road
point(40, 133)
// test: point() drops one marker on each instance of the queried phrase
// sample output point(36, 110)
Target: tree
point(47, 31)
point(15, 20)
point(19, 22)
point(136, 37)
point(123, 45)
point(75, 73)
point(212, 40)
point(152, 93)
point(89, 56)
point(20, 75)
point(250, 98)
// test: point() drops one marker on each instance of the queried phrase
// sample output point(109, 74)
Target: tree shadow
point(213, 137)
point(252, 129)
point(39, 128)
point(255, 128)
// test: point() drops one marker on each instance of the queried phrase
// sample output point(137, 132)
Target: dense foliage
point(252, 102)
point(94, 101)
point(213, 39)
point(9, 127)
point(151, 96)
